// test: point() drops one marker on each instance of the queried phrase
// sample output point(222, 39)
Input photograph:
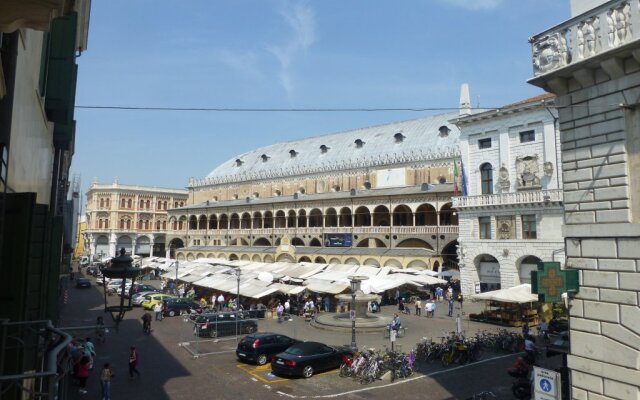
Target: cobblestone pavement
point(174, 365)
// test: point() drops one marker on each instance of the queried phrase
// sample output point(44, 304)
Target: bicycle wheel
point(345, 371)
point(446, 358)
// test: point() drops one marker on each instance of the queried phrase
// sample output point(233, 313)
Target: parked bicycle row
point(367, 366)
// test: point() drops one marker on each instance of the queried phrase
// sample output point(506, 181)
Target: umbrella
point(449, 273)
point(265, 277)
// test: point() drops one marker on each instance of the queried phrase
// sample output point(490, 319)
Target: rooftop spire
point(465, 100)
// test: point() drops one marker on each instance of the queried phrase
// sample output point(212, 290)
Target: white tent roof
point(334, 272)
point(379, 284)
point(288, 289)
point(322, 286)
point(517, 294)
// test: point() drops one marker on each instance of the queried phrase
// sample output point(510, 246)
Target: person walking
point(162, 286)
point(146, 323)
point(418, 307)
point(105, 381)
point(451, 303)
point(90, 351)
point(279, 311)
point(83, 374)
point(327, 304)
point(220, 301)
point(287, 308)
point(157, 308)
point(134, 358)
point(460, 300)
point(213, 301)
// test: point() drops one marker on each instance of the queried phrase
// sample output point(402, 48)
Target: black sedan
point(83, 283)
point(179, 306)
point(262, 347)
point(306, 358)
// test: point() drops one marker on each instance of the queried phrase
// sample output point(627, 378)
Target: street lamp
point(355, 285)
point(121, 268)
point(237, 272)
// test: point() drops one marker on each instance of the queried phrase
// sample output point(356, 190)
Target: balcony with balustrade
point(541, 197)
point(599, 38)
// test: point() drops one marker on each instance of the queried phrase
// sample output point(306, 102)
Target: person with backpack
point(134, 358)
point(83, 374)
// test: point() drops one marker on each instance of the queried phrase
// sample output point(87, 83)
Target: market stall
point(513, 306)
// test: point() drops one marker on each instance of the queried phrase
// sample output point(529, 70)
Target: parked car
point(83, 283)
point(138, 298)
point(179, 306)
point(92, 270)
point(223, 324)
point(306, 358)
point(152, 298)
point(262, 347)
point(140, 287)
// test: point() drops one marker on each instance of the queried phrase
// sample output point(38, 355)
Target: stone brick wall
point(602, 241)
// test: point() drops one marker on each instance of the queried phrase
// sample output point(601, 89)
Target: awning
point(288, 289)
point(327, 287)
point(517, 294)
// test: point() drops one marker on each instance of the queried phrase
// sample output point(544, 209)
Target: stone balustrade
point(586, 36)
point(513, 198)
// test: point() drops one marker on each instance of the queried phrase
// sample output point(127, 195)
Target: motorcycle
point(521, 386)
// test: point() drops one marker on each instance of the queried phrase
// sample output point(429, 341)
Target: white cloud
point(474, 4)
point(301, 19)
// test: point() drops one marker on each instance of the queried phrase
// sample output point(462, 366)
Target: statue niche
point(503, 179)
point(528, 174)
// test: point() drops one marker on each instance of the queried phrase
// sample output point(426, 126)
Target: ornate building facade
point(592, 63)
point(130, 217)
point(512, 215)
point(378, 196)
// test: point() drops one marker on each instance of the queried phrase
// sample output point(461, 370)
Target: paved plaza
point(174, 364)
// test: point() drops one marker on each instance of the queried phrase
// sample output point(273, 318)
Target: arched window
point(141, 203)
point(101, 203)
point(108, 203)
point(486, 178)
point(129, 203)
point(123, 203)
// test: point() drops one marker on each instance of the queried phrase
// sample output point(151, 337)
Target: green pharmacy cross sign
point(550, 282)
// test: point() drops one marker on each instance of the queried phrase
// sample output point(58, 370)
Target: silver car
point(138, 298)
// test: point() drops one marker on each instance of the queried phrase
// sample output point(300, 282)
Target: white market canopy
point(517, 294)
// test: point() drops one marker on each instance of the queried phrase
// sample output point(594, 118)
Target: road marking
point(255, 372)
point(403, 381)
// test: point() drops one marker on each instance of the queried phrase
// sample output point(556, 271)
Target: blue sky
point(283, 54)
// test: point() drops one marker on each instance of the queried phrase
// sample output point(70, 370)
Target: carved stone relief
point(619, 25)
point(506, 227)
point(503, 179)
point(528, 172)
point(588, 37)
point(550, 52)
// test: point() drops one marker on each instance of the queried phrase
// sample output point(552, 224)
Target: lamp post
point(121, 268)
point(355, 285)
point(237, 272)
point(177, 264)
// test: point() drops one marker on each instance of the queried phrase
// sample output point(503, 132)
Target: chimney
point(465, 100)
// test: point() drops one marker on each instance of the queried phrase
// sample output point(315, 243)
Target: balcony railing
point(586, 36)
point(511, 198)
point(427, 229)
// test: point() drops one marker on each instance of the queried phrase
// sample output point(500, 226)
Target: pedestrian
point(100, 329)
point(89, 351)
point(134, 359)
point(162, 286)
point(220, 301)
point(418, 307)
point(438, 293)
point(83, 374)
point(397, 296)
point(341, 305)
point(327, 303)
point(525, 329)
point(287, 307)
point(460, 300)
point(428, 308)
point(451, 303)
point(213, 301)
point(279, 311)
point(146, 322)
point(157, 308)
point(181, 291)
point(105, 381)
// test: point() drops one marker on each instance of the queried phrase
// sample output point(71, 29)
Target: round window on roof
point(359, 143)
point(442, 180)
point(239, 162)
point(324, 149)
point(444, 131)
point(367, 185)
point(278, 193)
point(265, 158)
point(399, 137)
point(293, 153)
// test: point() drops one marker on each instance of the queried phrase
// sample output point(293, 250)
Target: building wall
point(507, 247)
point(104, 203)
point(30, 173)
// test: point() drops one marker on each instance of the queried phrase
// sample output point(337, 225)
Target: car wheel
point(262, 359)
point(172, 313)
point(307, 372)
point(250, 329)
point(213, 333)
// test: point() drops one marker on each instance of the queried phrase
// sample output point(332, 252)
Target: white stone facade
point(597, 95)
point(511, 217)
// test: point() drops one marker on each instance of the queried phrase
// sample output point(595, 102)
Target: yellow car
point(152, 299)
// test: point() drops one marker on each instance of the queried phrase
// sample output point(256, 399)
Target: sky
point(282, 54)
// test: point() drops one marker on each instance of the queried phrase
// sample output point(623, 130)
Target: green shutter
point(60, 81)
point(44, 63)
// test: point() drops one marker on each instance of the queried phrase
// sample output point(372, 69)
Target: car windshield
point(301, 350)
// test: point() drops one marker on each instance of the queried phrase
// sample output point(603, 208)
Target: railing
point(597, 31)
point(35, 340)
point(524, 197)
